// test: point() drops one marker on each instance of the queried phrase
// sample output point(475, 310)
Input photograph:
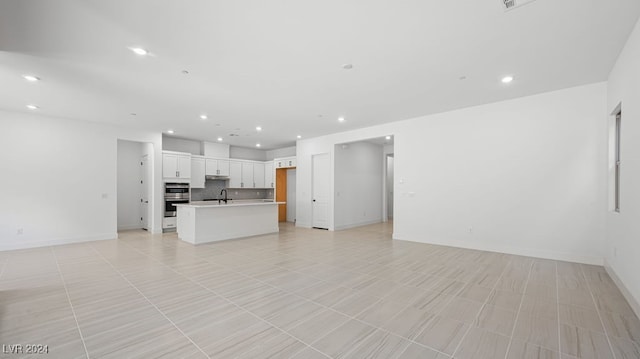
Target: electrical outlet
point(20, 231)
point(105, 195)
point(236, 193)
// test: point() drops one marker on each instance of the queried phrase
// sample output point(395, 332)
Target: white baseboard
point(129, 227)
point(359, 224)
point(527, 252)
point(56, 242)
point(633, 302)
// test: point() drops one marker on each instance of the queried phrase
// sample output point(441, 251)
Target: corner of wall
point(635, 305)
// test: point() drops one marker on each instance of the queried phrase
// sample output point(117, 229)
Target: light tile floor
point(307, 294)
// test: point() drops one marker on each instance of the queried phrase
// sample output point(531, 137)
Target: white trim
point(57, 241)
point(633, 302)
point(527, 252)
point(358, 224)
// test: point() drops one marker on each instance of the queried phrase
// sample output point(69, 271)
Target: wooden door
point(281, 193)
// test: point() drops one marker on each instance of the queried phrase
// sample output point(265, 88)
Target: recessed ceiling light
point(299, 136)
point(203, 117)
point(341, 119)
point(257, 145)
point(32, 107)
point(507, 79)
point(387, 138)
point(139, 51)
point(258, 128)
point(347, 66)
point(31, 78)
point(170, 132)
point(219, 139)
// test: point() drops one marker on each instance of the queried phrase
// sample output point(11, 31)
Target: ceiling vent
point(512, 4)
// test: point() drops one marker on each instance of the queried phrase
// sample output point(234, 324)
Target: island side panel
point(217, 223)
point(186, 224)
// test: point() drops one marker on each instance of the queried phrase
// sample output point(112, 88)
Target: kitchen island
point(205, 222)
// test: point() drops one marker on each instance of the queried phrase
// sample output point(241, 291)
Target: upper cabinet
point(268, 175)
point(176, 166)
point(217, 167)
point(235, 174)
point(197, 172)
point(250, 174)
point(258, 175)
point(285, 162)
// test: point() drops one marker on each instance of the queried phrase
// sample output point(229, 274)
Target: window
point(617, 163)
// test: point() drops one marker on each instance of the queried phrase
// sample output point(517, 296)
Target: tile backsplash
point(213, 187)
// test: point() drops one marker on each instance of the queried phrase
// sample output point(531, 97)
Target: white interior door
point(320, 191)
point(145, 191)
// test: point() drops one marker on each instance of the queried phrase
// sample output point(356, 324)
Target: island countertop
point(231, 203)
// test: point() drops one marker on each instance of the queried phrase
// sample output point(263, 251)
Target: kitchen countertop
point(231, 203)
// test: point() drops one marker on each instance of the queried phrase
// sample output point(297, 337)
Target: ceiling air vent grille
point(512, 4)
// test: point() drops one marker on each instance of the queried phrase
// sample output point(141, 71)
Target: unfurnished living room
point(320, 179)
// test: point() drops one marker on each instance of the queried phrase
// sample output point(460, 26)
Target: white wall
point(523, 176)
point(357, 184)
point(170, 143)
point(291, 195)
point(623, 232)
point(247, 153)
point(63, 181)
point(281, 152)
point(129, 190)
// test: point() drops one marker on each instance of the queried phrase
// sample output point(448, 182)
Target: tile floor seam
point(606, 332)
point(341, 313)
point(295, 252)
point(147, 299)
point(453, 296)
point(464, 336)
point(292, 293)
point(515, 323)
point(226, 299)
point(75, 317)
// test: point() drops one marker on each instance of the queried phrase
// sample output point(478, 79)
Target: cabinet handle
point(241, 184)
point(177, 175)
point(289, 163)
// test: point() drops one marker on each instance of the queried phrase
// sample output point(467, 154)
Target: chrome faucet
point(225, 199)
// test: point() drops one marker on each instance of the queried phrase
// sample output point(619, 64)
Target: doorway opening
point(363, 183)
point(134, 185)
point(388, 194)
point(286, 192)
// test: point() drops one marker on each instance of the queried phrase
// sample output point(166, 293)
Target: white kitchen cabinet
point(176, 166)
point(268, 175)
point(235, 174)
point(216, 167)
point(197, 172)
point(285, 162)
point(258, 175)
point(247, 175)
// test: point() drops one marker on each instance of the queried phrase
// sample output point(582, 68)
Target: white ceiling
point(278, 64)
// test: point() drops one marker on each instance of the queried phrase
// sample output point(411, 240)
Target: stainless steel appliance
point(174, 193)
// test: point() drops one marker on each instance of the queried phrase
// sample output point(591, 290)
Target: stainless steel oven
point(174, 193)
